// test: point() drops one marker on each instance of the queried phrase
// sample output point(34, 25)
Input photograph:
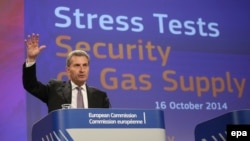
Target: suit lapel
point(90, 97)
point(65, 91)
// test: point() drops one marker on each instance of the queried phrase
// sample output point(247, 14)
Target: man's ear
point(67, 69)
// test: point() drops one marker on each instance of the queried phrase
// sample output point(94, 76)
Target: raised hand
point(33, 48)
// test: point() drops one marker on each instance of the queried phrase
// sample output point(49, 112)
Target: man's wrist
point(30, 62)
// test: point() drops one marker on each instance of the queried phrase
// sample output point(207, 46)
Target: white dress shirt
point(74, 95)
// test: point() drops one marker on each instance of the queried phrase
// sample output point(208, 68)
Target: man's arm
point(32, 85)
point(30, 82)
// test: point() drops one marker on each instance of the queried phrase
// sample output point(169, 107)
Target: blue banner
point(190, 61)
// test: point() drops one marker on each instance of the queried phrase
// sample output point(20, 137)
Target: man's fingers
point(25, 43)
point(37, 38)
point(32, 40)
point(28, 41)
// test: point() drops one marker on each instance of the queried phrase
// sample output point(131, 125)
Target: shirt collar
point(74, 85)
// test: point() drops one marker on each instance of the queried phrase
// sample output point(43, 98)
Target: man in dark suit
point(55, 93)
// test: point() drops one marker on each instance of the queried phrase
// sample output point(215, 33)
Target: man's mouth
point(82, 76)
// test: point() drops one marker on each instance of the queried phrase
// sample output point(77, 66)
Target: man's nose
point(82, 68)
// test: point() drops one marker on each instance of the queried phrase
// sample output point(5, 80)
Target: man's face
point(78, 70)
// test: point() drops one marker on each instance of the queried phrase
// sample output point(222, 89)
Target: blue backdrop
point(189, 59)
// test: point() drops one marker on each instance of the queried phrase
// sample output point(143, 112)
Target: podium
point(100, 125)
point(216, 128)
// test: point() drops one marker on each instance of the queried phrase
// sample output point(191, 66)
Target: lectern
point(215, 129)
point(100, 125)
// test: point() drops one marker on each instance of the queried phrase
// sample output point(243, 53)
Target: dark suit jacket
point(55, 92)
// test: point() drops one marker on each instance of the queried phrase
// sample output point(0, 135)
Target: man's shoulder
point(94, 89)
point(56, 82)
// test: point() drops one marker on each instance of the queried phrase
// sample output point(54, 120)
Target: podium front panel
point(101, 125)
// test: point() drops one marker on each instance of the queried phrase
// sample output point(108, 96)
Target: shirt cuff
point(29, 64)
